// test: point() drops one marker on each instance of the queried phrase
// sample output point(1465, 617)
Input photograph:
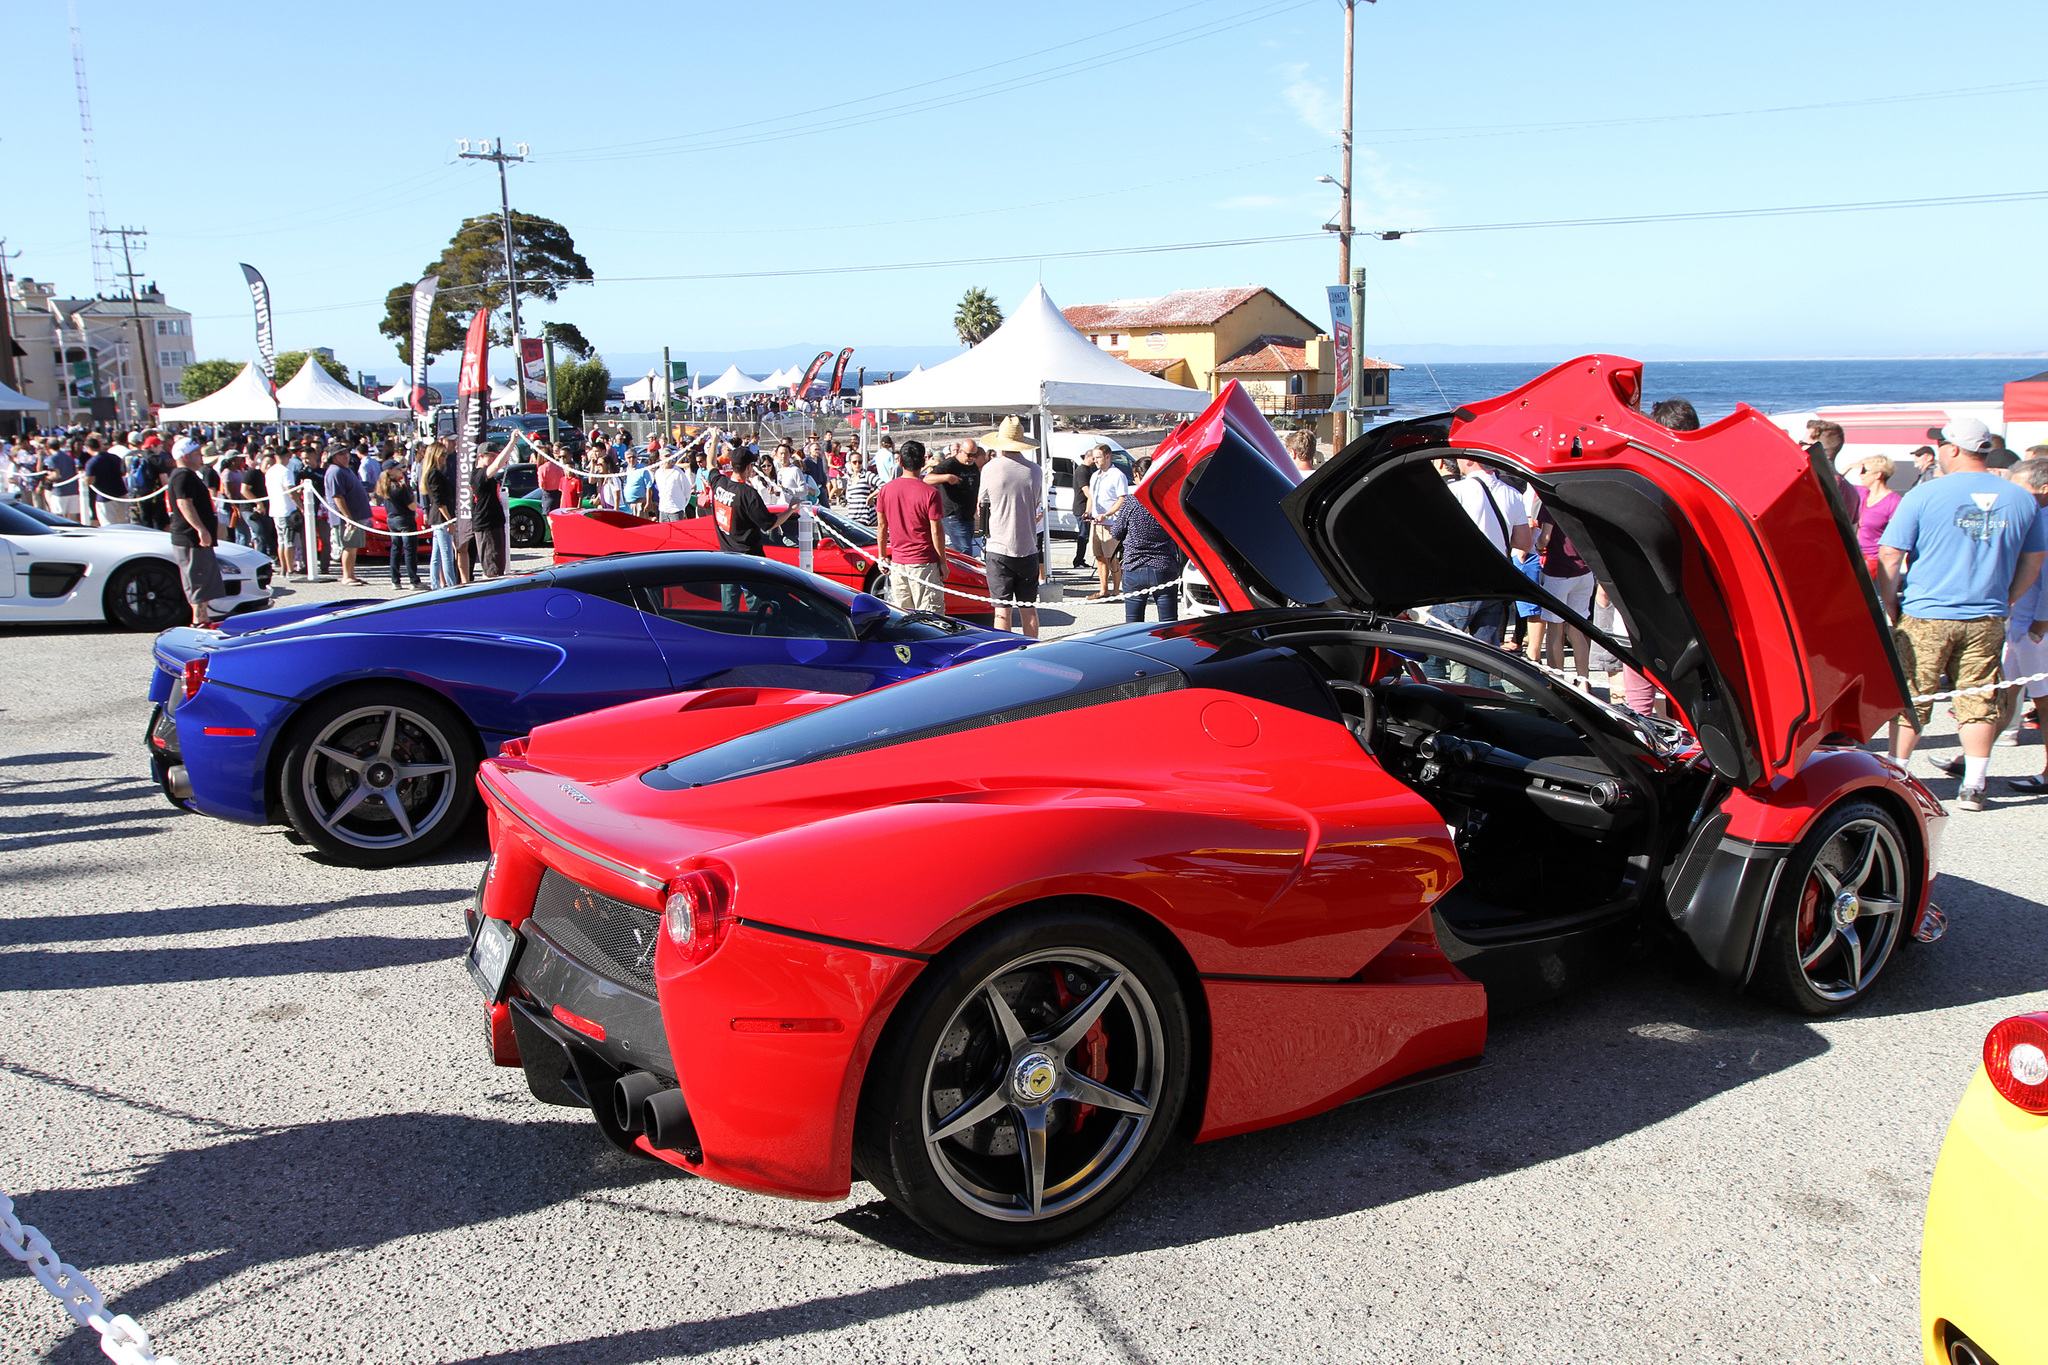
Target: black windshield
point(1017, 686)
point(15, 522)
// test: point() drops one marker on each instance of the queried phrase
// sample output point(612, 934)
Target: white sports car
point(56, 570)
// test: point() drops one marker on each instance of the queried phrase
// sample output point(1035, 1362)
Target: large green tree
point(202, 377)
point(569, 338)
point(977, 317)
point(288, 363)
point(581, 386)
point(472, 271)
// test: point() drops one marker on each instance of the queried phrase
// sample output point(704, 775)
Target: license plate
point(490, 956)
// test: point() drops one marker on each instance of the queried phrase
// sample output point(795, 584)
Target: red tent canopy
point(2026, 400)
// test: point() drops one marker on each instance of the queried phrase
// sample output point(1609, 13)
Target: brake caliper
point(1090, 1056)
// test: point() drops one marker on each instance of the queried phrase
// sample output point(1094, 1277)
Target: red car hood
point(1740, 581)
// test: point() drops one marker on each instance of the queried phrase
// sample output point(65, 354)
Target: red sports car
point(843, 551)
point(1200, 878)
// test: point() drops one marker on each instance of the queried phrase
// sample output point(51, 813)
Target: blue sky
point(317, 143)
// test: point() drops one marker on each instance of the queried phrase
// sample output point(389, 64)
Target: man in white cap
point(1013, 494)
point(1974, 543)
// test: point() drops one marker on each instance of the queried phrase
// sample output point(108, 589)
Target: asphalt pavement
point(248, 1094)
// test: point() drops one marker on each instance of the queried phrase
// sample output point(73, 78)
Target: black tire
point(1839, 911)
point(321, 790)
point(528, 528)
point(146, 594)
point(947, 1047)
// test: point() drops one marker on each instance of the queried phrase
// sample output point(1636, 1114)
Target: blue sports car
point(361, 727)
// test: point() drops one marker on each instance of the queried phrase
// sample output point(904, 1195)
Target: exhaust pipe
point(665, 1118)
point(630, 1093)
point(180, 783)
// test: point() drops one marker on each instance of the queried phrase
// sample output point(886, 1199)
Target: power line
point(1144, 48)
point(1711, 215)
point(1388, 234)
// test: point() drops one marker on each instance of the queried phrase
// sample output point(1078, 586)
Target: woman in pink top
point(1874, 477)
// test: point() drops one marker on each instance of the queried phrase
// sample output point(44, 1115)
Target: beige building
point(138, 350)
point(1204, 338)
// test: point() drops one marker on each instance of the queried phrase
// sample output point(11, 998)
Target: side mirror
point(867, 612)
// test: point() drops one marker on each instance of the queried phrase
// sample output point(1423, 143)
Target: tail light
point(698, 912)
point(195, 676)
point(2016, 1060)
point(513, 748)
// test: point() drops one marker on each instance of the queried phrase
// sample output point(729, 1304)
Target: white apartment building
point(138, 350)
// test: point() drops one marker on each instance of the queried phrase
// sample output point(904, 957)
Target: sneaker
point(1970, 798)
point(2010, 738)
point(1952, 768)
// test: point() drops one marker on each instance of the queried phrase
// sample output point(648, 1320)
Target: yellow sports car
point(1984, 1259)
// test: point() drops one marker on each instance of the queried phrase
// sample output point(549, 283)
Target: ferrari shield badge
point(903, 653)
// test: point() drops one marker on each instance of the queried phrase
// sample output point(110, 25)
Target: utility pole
point(486, 151)
point(667, 420)
point(10, 374)
point(127, 236)
point(1344, 185)
point(1355, 418)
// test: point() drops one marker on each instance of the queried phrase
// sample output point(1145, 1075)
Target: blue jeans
point(1481, 620)
point(1157, 584)
point(960, 536)
point(443, 566)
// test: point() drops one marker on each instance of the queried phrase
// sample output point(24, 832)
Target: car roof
point(630, 568)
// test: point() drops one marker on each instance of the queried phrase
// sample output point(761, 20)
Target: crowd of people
point(1954, 542)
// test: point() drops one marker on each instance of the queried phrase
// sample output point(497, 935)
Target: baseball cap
point(1965, 433)
point(2001, 459)
point(186, 445)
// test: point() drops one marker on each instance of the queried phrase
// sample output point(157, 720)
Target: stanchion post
point(312, 574)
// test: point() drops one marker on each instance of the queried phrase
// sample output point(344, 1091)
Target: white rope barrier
point(121, 1337)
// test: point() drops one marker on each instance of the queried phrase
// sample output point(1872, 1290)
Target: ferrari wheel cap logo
point(1034, 1077)
point(1847, 907)
point(903, 653)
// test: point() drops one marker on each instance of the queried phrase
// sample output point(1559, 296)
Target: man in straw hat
point(1013, 495)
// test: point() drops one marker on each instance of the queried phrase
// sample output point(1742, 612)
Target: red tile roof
point(1268, 355)
point(1182, 308)
point(1149, 364)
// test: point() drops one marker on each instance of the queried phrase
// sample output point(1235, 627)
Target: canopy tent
point(505, 396)
point(10, 401)
point(401, 396)
point(646, 389)
point(732, 384)
point(245, 398)
point(1034, 362)
point(314, 395)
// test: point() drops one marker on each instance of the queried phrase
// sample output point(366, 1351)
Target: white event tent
point(646, 389)
point(245, 398)
point(1034, 362)
point(314, 395)
point(731, 384)
point(11, 401)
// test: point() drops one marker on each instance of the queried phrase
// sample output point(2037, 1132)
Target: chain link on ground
point(121, 1337)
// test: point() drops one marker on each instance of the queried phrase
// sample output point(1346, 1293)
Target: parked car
point(1315, 844)
point(1064, 453)
point(360, 726)
point(843, 551)
point(53, 569)
point(1982, 1258)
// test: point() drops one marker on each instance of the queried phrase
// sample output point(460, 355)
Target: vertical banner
point(1340, 332)
point(838, 373)
point(533, 375)
point(422, 315)
point(803, 386)
point(474, 395)
point(266, 345)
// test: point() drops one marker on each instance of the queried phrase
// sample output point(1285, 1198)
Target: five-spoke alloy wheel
point(1840, 909)
point(1031, 1078)
point(379, 775)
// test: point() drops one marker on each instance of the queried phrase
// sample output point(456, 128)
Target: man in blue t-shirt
point(1974, 543)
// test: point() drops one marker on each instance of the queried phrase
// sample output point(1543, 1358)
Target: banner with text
point(1340, 332)
point(803, 386)
point(533, 374)
point(266, 346)
point(838, 373)
point(473, 394)
point(422, 316)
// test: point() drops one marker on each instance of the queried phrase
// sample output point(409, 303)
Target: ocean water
point(1716, 386)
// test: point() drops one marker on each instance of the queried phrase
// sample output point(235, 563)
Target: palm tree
point(976, 317)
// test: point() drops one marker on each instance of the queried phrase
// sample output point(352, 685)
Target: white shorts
point(2024, 658)
point(1575, 592)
